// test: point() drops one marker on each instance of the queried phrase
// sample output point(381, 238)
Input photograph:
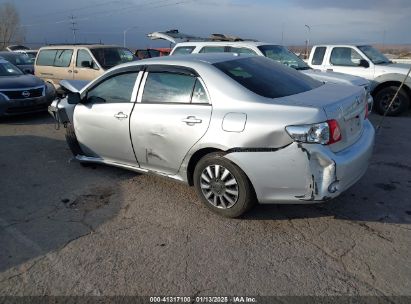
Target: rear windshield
point(16, 58)
point(283, 55)
point(7, 69)
point(266, 77)
point(110, 57)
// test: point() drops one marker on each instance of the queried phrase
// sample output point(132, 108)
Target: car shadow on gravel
point(41, 118)
point(48, 201)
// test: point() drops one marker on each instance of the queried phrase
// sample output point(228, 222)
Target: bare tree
point(10, 29)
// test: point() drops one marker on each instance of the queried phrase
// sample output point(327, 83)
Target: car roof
point(87, 46)
point(221, 43)
point(5, 53)
point(209, 58)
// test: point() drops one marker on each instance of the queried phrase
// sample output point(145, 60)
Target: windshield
point(373, 54)
point(283, 55)
point(7, 69)
point(16, 59)
point(109, 57)
point(266, 77)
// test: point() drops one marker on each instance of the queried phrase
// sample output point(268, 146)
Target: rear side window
point(199, 94)
point(242, 50)
point(318, 56)
point(213, 49)
point(58, 58)
point(46, 57)
point(168, 88)
point(183, 50)
point(267, 78)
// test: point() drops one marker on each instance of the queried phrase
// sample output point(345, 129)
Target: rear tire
point(383, 98)
point(222, 186)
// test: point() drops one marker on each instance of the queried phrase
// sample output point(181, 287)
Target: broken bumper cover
point(306, 173)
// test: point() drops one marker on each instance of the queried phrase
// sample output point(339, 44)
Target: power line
point(147, 5)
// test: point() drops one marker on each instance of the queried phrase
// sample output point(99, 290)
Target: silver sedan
point(240, 129)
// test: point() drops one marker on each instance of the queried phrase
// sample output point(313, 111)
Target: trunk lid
point(344, 103)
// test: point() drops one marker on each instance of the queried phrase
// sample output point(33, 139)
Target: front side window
point(168, 88)
point(183, 50)
point(110, 57)
point(345, 56)
point(213, 49)
point(46, 57)
point(284, 56)
point(266, 77)
point(84, 60)
point(318, 56)
point(115, 89)
point(63, 58)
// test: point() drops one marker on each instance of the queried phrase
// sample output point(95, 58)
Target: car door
point(347, 60)
point(101, 121)
point(63, 64)
point(86, 68)
point(171, 114)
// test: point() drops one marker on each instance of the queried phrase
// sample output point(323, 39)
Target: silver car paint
point(279, 169)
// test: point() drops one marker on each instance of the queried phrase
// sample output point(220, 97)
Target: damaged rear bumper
point(306, 173)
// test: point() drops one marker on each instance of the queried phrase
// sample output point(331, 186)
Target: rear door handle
point(191, 120)
point(70, 71)
point(330, 70)
point(75, 71)
point(120, 115)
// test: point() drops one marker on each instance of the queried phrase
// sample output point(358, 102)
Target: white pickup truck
point(365, 61)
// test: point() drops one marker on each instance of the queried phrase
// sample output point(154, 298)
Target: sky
point(276, 21)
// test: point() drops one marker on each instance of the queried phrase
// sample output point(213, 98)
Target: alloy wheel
point(219, 186)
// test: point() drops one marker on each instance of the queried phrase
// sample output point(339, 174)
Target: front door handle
point(330, 70)
point(120, 115)
point(191, 120)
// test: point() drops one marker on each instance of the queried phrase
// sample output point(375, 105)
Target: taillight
point(325, 133)
point(335, 131)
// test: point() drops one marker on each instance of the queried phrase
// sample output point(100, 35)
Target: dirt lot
point(69, 230)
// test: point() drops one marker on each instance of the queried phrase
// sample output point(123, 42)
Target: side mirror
point(73, 98)
point(87, 64)
point(364, 63)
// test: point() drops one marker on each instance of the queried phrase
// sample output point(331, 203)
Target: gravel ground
point(70, 230)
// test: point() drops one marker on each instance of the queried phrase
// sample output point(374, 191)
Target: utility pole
point(282, 34)
point(125, 33)
point(73, 27)
point(383, 40)
point(307, 42)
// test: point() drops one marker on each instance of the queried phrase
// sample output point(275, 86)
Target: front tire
point(72, 142)
point(222, 186)
point(383, 99)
